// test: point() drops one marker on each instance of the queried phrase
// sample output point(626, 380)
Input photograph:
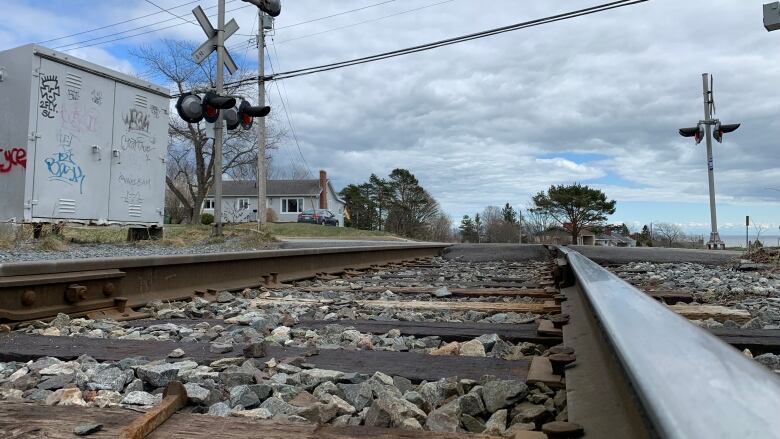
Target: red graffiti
point(13, 157)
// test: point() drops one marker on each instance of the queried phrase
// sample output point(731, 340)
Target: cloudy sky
point(596, 99)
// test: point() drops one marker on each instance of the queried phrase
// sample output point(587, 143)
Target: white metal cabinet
point(72, 143)
point(137, 187)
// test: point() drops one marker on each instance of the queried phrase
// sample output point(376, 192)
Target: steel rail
point(40, 289)
point(689, 383)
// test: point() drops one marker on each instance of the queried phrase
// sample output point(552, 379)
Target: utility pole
point(715, 242)
point(219, 126)
point(262, 176)
point(707, 129)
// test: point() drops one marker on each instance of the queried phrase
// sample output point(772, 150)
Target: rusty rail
point(41, 289)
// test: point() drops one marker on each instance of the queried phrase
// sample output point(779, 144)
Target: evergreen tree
point(468, 231)
point(509, 214)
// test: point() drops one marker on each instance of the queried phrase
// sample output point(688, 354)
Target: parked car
point(318, 216)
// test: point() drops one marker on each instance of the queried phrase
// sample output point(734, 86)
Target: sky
point(596, 100)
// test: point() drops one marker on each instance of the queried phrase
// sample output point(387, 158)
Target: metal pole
point(747, 232)
point(715, 241)
point(262, 176)
point(218, 127)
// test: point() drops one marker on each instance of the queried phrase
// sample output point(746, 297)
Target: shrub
point(206, 219)
point(271, 216)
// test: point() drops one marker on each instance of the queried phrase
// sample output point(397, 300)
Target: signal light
point(231, 118)
point(190, 108)
point(717, 133)
point(213, 102)
point(270, 7)
point(247, 113)
point(696, 132)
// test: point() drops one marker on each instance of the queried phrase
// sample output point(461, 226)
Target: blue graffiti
point(63, 168)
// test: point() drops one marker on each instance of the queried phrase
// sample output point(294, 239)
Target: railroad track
point(346, 343)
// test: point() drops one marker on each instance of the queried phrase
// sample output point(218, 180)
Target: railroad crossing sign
point(205, 49)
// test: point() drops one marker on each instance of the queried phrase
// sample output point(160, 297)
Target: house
point(287, 198)
point(615, 240)
point(560, 236)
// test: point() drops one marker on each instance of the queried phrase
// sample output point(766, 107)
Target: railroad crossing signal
point(270, 7)
point(193, 109)
point(717, 132)
point(208, 47)
point(696, 132)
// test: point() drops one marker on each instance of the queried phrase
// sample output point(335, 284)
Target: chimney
point(323, 189)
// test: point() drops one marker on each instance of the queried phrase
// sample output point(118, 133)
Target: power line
point(169, 12)
point(365, 21)
point(81, 45)
point(287, 114)
point(252, 40)
point(335, 15)
point(424, 47)
point(114, 24)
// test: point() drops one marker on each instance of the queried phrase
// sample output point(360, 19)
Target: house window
point(292, 205)
point(243, 203)
point(208, 203)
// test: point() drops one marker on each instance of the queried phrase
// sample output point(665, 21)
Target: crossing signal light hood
point(190, 108)
point(213, 102)
point(696, 132)
point(247, 113)
point(270, 7)
point(717, 133)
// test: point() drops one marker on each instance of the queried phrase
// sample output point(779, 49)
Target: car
point(318, 216)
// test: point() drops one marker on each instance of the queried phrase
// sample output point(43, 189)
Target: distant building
point(287, 198)
point(615, 240)
point(560, 236)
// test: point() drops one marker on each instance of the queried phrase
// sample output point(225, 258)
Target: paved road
point(622, 255)
point(320, 243)
point(495, 252)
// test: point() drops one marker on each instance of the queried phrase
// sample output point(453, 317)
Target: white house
point(287, 198)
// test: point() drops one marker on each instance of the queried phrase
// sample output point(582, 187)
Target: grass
point(245, 235)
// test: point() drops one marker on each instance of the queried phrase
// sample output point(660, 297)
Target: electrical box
point(772, 16)
point(79, 142)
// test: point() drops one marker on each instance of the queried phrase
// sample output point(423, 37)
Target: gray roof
point(248, 188)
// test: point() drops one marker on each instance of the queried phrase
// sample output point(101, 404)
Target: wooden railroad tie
point(520, 307)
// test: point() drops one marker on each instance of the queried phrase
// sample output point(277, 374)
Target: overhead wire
point(81, 45)
point(169, 12)
point(334, 15)
point(450, 41)
point(286, 112)
point(251, 41)
point(129, 20)
point(365, 21)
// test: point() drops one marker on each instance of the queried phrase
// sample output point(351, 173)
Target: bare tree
point(190, 151)
point(496, 228)
point(535, 222)
point(440, 229)
point(759, 228)
point(670, 233)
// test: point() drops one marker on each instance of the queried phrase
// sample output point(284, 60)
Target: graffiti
point(97, 97)
point(135, 144)
point(12, 157)
point(62, 167)
point(136, 121)
point(135, 181)
point(131, 197)
point(78, 118)
point(73, 95)
point(155, 111)
point(65, 139)
point(50, 90)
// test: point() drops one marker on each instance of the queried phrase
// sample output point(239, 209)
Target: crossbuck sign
point(207, 48)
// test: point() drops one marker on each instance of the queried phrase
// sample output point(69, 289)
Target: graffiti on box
point(77, 117)
point(136, 120)
point(62, 165)
point(50, 90)
point(10, 158)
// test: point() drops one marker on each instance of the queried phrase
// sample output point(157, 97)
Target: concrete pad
point(623, 255)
